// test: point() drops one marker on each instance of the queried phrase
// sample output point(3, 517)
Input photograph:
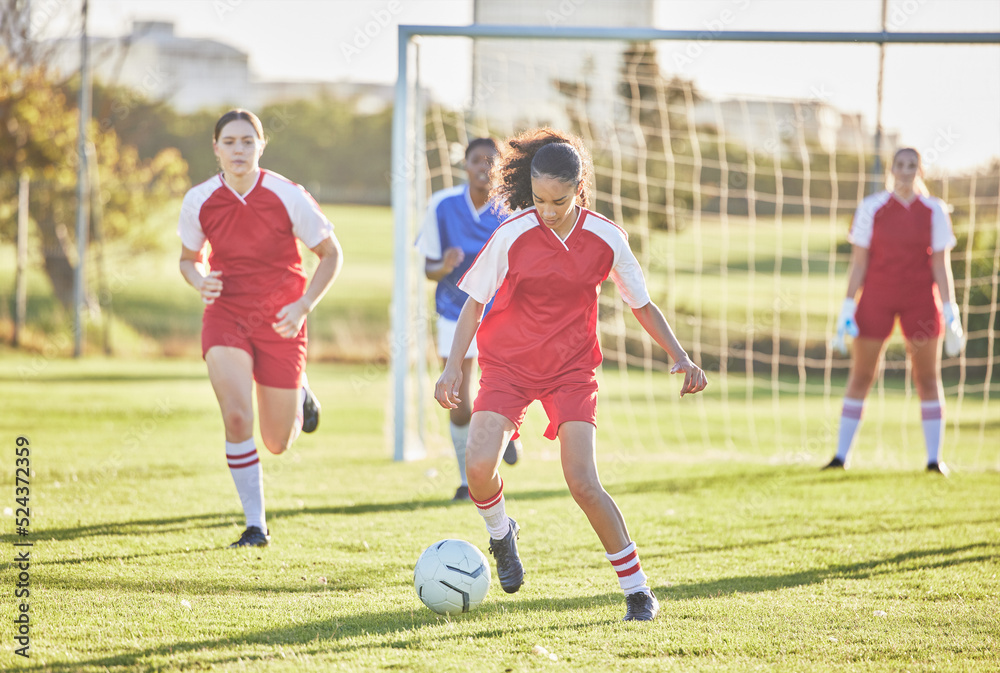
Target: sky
point(944, 100)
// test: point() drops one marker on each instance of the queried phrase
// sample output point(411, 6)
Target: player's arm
point(857, 269)
point(193, 269)
point(436, 269)
point(941, 269)
point(653, 321)
point(291, 317)
point(954, 335)
point(450, 382)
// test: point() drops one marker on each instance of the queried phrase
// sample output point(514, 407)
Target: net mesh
point(738, 208)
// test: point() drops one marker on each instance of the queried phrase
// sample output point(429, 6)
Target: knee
point(238, 422)
point(478, 470)
point(927, 387)
point(860, 383)
point(276, 445)
point(586, 492)
point(462, 415)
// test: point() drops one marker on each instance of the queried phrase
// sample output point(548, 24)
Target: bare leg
point(865, 355)
point(278, 409)
point(231, 372)
point(488, 434)
point(925, 355)
point(578, 442)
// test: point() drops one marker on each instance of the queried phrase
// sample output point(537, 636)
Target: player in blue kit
point(459, 222)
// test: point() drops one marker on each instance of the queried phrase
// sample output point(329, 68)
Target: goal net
point(737, 205)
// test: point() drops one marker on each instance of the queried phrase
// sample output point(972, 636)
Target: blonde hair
point(919, 186)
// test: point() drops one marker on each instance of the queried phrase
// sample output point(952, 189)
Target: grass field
point(760, 561)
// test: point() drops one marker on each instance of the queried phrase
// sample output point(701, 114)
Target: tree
point(39, 137)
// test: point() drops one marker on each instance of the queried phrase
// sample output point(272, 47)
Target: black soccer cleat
point(835, 464)
point(940, 468)
point(252, 537)
point(512, 453)
point(310, 411)
point(461, 493)
point(641, 607)
point(510, 572)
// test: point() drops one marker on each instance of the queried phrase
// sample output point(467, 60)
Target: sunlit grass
point(760, 560)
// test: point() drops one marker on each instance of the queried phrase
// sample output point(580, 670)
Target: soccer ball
point(451, 576)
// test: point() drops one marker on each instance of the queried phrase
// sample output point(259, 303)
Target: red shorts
point(919, 314)
point(277, 362)
point(572, 401)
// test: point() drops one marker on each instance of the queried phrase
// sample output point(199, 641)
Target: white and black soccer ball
point(451, 576)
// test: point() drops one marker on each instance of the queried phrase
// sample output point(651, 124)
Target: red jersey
point(900, 239)
point(253, 238)
point(542, 327)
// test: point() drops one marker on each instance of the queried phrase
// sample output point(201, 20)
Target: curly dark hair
point(513, 171)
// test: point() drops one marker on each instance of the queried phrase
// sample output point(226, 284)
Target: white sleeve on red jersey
point(942, 236)
point(189, 224)
point(864, 219)
point(487, 272)
point(309, 224)
point(625, 271)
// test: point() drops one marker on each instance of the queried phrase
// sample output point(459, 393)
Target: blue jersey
point(453, 222)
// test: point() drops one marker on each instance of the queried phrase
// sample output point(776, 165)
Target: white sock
point(850, 419)
point(244, 465)
point(299, 418)
point(630, 575)
point(460, 437)
point(933, 421)
point(494, 513)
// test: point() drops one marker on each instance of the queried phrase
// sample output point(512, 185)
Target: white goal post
point(409, 322)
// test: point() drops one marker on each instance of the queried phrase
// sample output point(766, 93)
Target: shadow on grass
point(750, 480)
point(406, 629)
point(898, 563)
point(217, 520)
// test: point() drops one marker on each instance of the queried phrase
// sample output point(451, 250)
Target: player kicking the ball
point(256, 301)
point(543, 269)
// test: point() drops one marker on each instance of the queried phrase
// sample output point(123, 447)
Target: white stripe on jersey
point(189, 224)
point(625, 271)
point(309, 224)
point(864, 219)
point(477, 282)
point(942, 236)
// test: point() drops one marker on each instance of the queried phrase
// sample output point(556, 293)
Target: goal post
point(662, 174)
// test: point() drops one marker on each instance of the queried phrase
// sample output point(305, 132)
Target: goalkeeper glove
point(954, 337)
point(846, 326)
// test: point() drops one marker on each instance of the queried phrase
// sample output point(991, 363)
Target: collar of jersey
point(472, 207)
point(242, 197)
point(554, 234)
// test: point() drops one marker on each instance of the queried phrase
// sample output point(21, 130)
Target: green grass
point(760, 561)
point(150, 298)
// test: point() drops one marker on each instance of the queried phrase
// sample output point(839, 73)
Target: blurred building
point(778, 127)
point(517, 81)
point(195, 73)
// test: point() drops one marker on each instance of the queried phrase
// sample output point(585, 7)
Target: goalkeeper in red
point(543, 269)
point(900, 262)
